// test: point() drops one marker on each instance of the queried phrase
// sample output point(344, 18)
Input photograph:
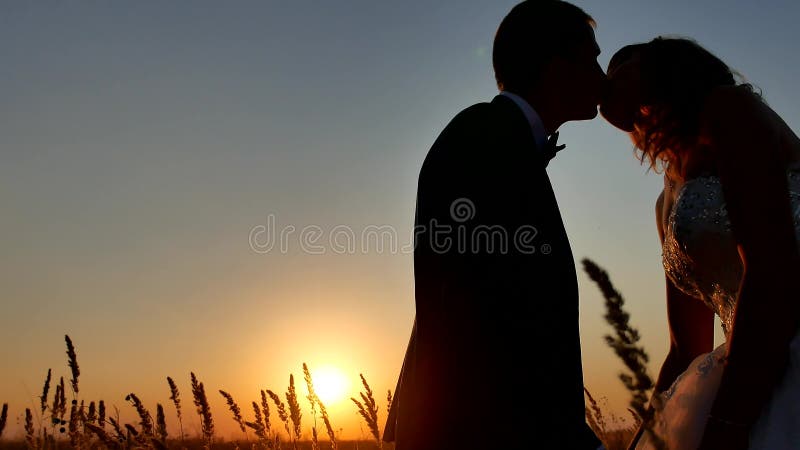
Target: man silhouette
point(494, 359)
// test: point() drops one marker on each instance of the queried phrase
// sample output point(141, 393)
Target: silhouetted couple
point(494, 359)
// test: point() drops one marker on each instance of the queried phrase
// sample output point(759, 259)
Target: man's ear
point(552, 70)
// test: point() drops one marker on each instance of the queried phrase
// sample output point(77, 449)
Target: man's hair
point(531, 35)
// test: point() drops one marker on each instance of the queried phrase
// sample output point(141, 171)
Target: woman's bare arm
point(691, 323)
point(691, 327)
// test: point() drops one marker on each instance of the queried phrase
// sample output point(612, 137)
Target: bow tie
point(551, 147)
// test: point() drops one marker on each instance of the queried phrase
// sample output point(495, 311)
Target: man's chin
point(624, 126)
point(589, 114)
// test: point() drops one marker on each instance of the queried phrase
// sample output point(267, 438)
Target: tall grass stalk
point(72, 360)
point(282, 414)
point(3, 418)
point(625, 342)
point(236, 411)
point(203, 410)
point(30, 441)
point(265, 412)
point(294, 407)
point(258, 427)
point(45, 390)
point(101, 413)
point(107, 440)
point(369, 411)
point(161, 423)
point(314, 398)
point(175, 396)
point(145, 418)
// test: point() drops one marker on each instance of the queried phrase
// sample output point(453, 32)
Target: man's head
point(545, 51)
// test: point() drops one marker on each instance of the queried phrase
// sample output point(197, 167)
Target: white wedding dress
point(701, 258)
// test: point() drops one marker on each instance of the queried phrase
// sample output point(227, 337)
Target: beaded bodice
point(700, 254)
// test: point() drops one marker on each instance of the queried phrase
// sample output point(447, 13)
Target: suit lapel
point(532, 158)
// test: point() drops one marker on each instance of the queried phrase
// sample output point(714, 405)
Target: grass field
point(277, 421)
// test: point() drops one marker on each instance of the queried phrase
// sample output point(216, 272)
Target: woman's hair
point(677, 74)
point(531, 35)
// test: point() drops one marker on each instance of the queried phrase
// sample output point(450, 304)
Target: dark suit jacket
point(494, 359)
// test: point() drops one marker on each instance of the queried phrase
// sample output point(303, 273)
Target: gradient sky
point(141, 142)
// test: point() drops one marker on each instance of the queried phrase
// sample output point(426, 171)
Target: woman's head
point(656, 92)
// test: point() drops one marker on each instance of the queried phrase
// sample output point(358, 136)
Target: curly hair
point(677, 75)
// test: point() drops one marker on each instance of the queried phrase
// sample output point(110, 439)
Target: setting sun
point(330, 384)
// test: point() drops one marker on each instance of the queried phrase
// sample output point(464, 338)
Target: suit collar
point(533, 118)
point(516, 124)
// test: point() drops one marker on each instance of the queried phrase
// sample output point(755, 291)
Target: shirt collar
point(537, 126)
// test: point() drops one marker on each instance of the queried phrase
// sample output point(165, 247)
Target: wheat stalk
point(3, 418)
point(258, 426)
point(161, 423)
point(45, 390)
point(637, 420)
point(91, 416)
point(625, 340)
point(117, 429)
point(281, 407)
point(83, 418)
point(73, 364)
point(55, 408)
point(624, 343)
point(101, 414)
point(62, 400)
point(369, 410)
point(237, 412)
point(204, 410)
point(59, 407)
point(157, 444)
point(145, 419)
point(132, 430)
point(29, 439)
point(294, 407)
point(265, 411)
point(74, 424)
point(314, 398)
point(104, 437)
point(174, 395)
point(328, 427)
point(595, 416)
